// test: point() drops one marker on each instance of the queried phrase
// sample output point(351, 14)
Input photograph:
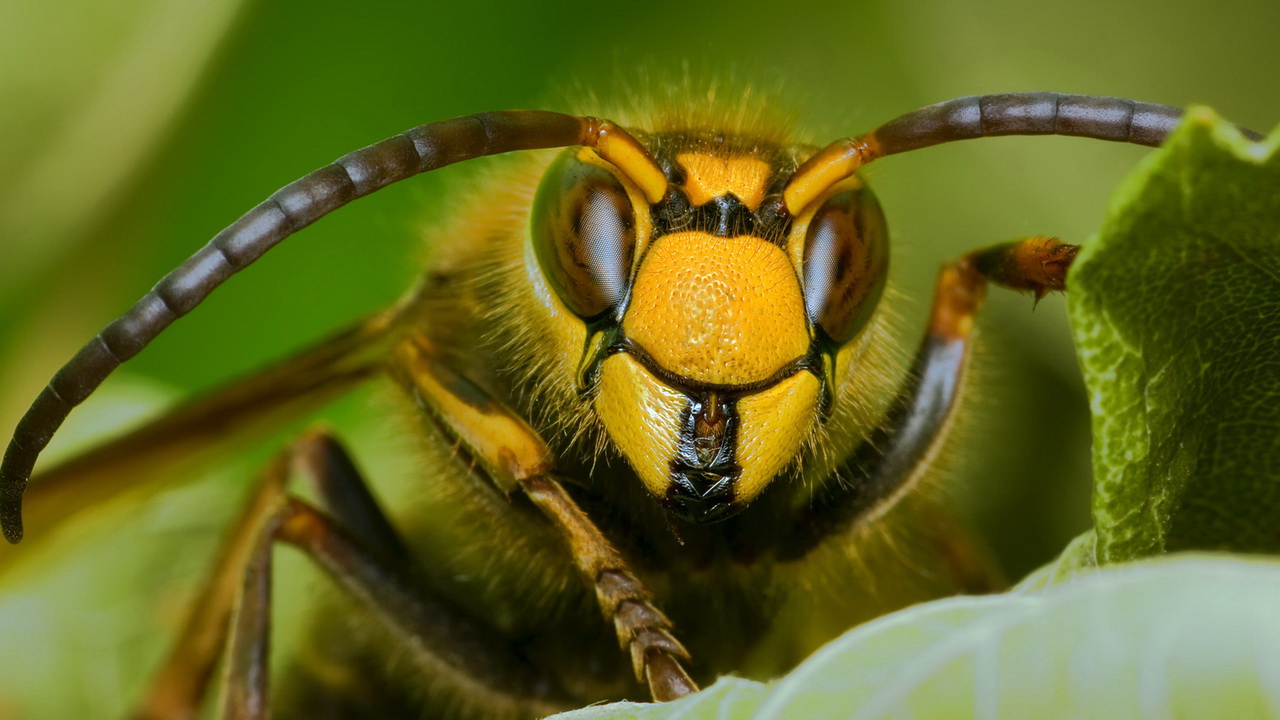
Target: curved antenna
point(1034, 113)
point(287, 211)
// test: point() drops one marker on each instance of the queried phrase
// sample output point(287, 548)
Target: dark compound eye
point(584, 234)
point(846, 259)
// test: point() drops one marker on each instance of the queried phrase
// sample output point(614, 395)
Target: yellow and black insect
point(649, 375)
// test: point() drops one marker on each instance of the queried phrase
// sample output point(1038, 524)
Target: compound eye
point(584, 234)
point(846, 259)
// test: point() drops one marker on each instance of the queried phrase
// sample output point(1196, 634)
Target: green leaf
point(1176, 313)
point(729, 699)
point(1187, 637)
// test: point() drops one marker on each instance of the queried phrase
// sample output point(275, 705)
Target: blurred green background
point(133, 131)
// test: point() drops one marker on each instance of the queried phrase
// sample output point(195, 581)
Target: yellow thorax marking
point(710, 176)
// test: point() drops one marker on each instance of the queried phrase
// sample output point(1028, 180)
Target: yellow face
point(713, 316)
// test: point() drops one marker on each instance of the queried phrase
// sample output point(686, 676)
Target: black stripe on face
point(705, 468)
point(725, 216)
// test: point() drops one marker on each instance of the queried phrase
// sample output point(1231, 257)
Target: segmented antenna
point(1034, 113)
point(432, 146)
point(1100, 118)
point(287, 211)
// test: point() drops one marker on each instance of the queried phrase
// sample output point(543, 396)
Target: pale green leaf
point(1188, 637)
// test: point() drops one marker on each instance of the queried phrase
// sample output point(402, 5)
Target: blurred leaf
point(1187, 637)
point(1176, 313)
point(85, 102)
point(729, 699)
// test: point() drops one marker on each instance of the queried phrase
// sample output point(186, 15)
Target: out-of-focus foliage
point(84, 102)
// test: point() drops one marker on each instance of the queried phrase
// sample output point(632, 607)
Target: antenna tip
point(11, 491)
point(11, 520)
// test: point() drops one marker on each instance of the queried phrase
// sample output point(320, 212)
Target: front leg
point(515, 459)
point(909, 437)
